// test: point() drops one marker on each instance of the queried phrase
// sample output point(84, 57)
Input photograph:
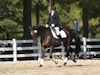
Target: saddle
point(62, 33)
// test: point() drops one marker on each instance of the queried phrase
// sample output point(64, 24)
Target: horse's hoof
point(74, 61)
point(56, 62)
point(40, 65)
point(64, 64)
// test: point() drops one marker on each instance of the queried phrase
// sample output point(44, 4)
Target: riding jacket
point(53, 19)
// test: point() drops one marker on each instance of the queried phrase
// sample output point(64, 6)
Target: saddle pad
point(63, 34)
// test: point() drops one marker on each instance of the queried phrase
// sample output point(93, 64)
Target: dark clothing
point(54, 19)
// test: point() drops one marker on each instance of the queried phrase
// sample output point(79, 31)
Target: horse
point(48, 41)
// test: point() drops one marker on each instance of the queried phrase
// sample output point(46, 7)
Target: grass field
point(82, 67)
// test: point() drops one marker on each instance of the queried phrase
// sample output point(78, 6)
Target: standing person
point(53, 19)
point(76, 25)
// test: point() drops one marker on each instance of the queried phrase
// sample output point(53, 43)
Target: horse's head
point(38, 31)
point(35, 33)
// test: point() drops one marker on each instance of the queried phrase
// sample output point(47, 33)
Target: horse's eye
point(35, 31)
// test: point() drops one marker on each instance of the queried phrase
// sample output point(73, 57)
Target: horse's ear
point(33, 27)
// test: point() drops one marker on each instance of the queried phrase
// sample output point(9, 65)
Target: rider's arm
point(57, 19)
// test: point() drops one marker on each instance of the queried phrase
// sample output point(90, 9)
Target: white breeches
point(57, 30)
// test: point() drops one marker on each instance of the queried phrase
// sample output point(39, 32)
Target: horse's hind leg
point(51, 49)
point(73, 57)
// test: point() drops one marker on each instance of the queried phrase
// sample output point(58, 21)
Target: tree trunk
point(37, 11)
point(27, 18)
point(85, 22)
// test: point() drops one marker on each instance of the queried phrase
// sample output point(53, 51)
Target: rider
point(53, 19)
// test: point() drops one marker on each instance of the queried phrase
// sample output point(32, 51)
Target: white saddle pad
point(61, 33)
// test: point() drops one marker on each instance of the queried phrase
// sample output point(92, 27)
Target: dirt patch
point(82, 67)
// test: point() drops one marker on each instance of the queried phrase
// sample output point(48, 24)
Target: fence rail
point(15, 48)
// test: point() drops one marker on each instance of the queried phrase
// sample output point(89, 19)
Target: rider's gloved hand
point(46, 25)
point(52, 25)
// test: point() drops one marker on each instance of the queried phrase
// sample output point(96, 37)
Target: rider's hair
point(53, 7)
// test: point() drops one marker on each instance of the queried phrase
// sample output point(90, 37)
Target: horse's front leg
point(42, 57)
point(51, 49)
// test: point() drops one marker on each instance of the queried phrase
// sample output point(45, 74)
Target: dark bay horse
point(48, 41)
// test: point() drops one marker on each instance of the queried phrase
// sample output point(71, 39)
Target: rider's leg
point(57, 30)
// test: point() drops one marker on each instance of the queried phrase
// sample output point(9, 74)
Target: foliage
point(11, 15)
point(11, 18)
point(9, 28)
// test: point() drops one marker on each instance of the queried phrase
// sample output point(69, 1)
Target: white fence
point(85, 48)
point(16, 48)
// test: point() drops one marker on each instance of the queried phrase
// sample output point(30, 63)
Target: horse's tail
point(78, 44)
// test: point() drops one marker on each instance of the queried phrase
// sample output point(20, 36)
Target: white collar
point(52, 12)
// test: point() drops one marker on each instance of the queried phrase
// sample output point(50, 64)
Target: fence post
point(39, 46)
point(14, 50)
point(84, 48)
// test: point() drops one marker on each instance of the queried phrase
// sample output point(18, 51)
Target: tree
point(14, 15)
point(27, 18)
point(37, 7)
point(10, 19)
point(90, 10)
point(85, 18)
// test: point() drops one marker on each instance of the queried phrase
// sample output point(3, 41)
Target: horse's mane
point(41, 29)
